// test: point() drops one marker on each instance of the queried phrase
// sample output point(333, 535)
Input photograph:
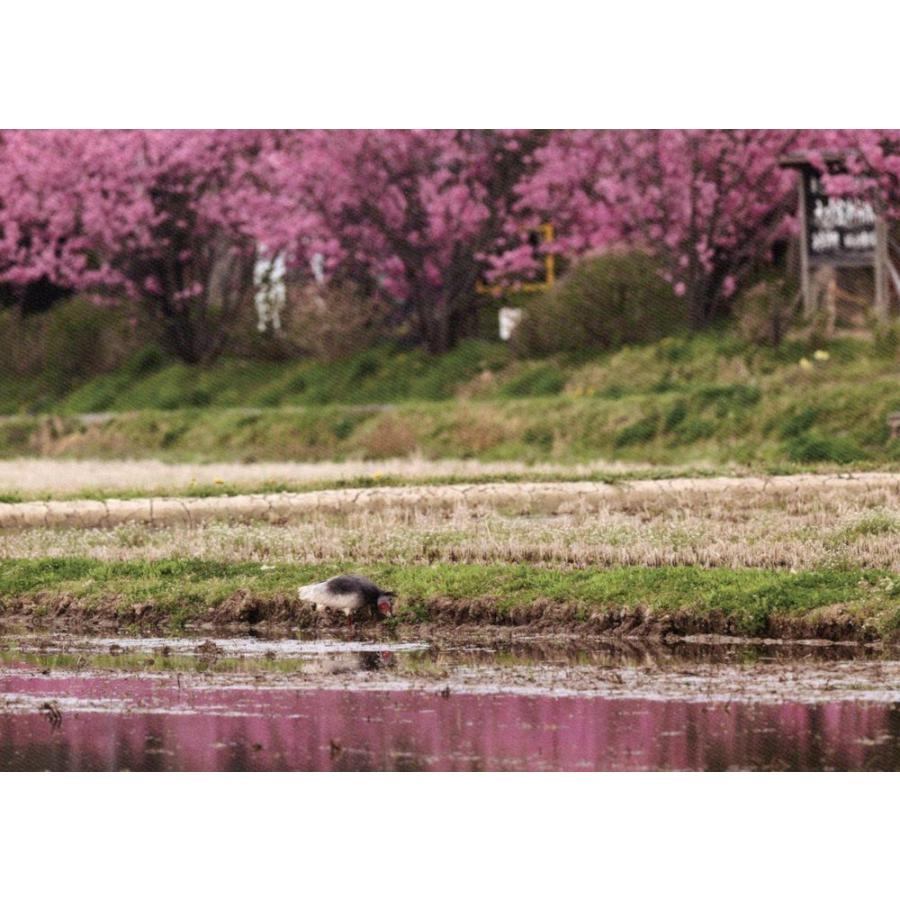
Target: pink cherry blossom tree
point(175, 220)
point(170, 219)
point(707, 204)
point(414, 216)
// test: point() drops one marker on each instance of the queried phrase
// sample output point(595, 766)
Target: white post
point(882, 295)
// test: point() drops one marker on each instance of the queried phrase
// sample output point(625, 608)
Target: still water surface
point(368, 712)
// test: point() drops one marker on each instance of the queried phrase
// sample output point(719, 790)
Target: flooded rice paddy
point(199, 704)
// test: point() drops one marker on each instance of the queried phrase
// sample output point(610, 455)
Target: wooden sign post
point(838, 232)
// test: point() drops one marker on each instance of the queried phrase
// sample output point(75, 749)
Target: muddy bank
point(601, 668)
point(423, 619)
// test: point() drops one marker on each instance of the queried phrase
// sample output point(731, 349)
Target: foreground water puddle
point(224, 646)
point(246, 703)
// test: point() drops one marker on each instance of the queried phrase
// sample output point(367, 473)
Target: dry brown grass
point(61, 477)
point(390, 436)
point(798, 522)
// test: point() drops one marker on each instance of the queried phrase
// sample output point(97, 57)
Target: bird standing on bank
point(350, 594)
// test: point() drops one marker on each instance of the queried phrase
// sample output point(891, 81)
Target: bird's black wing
point(351, 584)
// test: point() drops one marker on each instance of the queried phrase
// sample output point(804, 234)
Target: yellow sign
point(497, 290)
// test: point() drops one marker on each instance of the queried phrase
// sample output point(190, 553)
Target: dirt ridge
point(243, 610)
point(282, 506)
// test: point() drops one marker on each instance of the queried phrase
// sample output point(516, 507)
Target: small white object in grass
point(510, 316)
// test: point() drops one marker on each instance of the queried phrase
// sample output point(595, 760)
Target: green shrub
point(725, 397)
point(539, 436)
point(146, 361)
point(342, 427)
point(638, 432)
point(84, 339)
point(814, 447)
point(603, 303)
point(22, 344)
point(542, 380)
point(695, 430)
point(799, 423)
point(45, 355)
point(675, 416)
point(198, 397)
point(675, 350)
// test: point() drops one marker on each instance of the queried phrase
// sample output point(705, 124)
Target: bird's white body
point(321, 598)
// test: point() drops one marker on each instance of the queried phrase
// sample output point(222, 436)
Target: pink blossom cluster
point(708, 204)
point(421, 216)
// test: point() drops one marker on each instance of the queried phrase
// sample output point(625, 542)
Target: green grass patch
point(746, 598)
point(706, 399)
point(373, 376)
point(816, 448)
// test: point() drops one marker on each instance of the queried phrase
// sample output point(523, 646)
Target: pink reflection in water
point(154, 724)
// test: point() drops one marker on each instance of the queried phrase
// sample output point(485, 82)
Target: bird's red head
point(386, 604)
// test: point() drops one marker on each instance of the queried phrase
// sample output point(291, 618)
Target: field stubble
point(797, 523)
point(69, 477)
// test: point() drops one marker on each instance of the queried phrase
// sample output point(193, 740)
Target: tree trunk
point(197, 330)
point(697, 312)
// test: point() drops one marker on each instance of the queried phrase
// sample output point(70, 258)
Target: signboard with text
point(840, 231)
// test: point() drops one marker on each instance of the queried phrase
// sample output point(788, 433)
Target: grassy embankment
point(749, 602)
point(704, 400)
point(790, 559)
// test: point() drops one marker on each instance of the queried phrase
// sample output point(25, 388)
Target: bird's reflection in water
point(369, 661)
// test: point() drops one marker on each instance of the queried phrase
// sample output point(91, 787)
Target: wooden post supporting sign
point(837, 233)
